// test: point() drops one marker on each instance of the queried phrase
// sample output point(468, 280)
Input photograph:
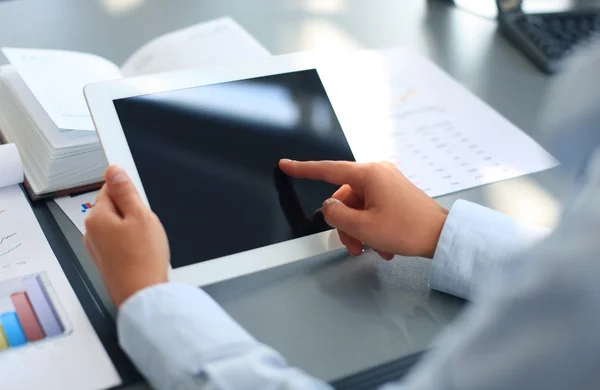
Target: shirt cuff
point(155, 327)
point(476, 240)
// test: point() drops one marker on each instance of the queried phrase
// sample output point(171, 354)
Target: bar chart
point(28, 312)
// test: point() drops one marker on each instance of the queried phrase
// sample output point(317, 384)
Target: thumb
point(346, 219)
point(122, 191)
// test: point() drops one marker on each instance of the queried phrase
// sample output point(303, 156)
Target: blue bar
point(13, 329)
point(42, 305)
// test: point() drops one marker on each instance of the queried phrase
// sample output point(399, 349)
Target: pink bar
point(29, 322)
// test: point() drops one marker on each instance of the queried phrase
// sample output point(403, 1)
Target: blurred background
point(507, 59)
point(461, 39)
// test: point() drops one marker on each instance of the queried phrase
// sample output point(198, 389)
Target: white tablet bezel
point(100, 98)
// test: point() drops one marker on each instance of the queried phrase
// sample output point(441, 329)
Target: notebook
point(43, 110)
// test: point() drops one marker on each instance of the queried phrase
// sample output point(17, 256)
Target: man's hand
point(125, 238)
point(376, 205)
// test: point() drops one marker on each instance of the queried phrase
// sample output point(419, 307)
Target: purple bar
point(42, 306)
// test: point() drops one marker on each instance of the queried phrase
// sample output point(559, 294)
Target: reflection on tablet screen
point(208, 159)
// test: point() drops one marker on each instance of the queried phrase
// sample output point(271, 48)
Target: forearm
point(474, 242)
point(179, 338)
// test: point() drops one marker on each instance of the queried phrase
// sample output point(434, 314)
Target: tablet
point(202, 147)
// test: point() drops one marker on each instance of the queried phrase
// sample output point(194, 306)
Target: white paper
point(57, 78)
point(216, 42)
point(74, 360)
point(53, 159)
point(77, 208)
point(402, 108)
point(11, 169)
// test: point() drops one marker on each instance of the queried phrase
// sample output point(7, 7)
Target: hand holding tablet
point(203, 146)
point(191, 140)
point(125, 239)
point(376, 205)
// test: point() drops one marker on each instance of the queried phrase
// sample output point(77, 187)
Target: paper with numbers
point(402, 108)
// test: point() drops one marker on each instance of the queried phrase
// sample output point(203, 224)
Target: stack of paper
point(54, 158)
point(43, 109)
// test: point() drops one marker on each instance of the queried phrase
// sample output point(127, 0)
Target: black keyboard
point(548, 39)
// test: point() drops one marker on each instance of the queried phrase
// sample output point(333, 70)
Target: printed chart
point(28, 312)
point(12, 240)
point(46, 339)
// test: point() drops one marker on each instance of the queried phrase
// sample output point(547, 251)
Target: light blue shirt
point(179, 338)
point(533, 322)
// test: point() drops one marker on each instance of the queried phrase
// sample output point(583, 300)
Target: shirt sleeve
point(180, 338)
point(474, 242)
point(534, 325)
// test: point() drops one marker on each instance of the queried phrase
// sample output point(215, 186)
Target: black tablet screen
point(208, 156)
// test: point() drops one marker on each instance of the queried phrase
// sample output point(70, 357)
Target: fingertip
point(329, 203)
point(122, 191)
point(355, 248)
point(285, 164)
point(386, 256)
point(352, 221)
point(115, 174)
point(356, 252)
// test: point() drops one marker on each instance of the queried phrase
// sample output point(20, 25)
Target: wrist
point(435, 231)
point(122, 291)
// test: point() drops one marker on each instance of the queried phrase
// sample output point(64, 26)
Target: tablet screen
point(208, 160)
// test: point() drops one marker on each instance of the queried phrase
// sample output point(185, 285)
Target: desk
point(337, 315)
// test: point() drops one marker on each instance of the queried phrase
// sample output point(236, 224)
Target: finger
point(353, 245)
point(121, 190)
point(344, 237)
point(104, 203)
point(334, 172)
point(386, 255)
point(389, 165)
point(352, 221)
point(355, 248)
point(349, 197)
point(88, 244)
point(103, 216)
point(91, 248)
